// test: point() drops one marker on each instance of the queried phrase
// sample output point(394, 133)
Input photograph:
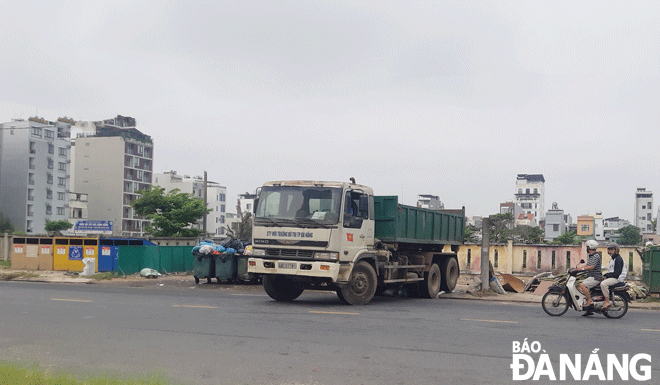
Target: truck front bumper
point(300, 268)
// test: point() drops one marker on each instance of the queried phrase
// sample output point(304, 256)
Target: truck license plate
point(286, 265)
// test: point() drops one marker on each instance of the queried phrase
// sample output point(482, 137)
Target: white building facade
point(644, 210)
point(35, 167)
point(431, 202)
point(530, 194)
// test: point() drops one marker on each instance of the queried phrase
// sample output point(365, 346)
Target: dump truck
point(339, 236)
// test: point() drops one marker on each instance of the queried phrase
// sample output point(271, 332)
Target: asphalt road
point(235, 336)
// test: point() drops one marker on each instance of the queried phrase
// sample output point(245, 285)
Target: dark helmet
point(614, 246)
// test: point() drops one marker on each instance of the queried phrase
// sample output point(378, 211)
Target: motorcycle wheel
point(554, 303)
point(618, 308)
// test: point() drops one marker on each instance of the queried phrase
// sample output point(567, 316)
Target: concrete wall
point(5, 243)
point(524, 259)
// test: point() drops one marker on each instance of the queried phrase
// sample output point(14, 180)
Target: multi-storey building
point(644, 210)
point(585, 226)
point(34, 172)
point(246, 202)
point(599, 226)
point(612, 225)
point(216, 196)
point(113, 163)
point(555, 223)
point(530, 194)
point(429, 202)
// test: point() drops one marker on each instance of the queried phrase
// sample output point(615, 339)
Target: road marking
point(489, 320)
point(651, 330)
point(332, 312)
point(197, 306)
point(71, 300)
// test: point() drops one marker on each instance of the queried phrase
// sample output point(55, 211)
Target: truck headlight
point(327, 256)
point(258, 252)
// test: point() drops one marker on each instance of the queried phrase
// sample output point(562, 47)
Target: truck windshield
point(297, 205)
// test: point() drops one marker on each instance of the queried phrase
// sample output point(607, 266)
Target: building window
point(61, 166)
point(49, 134)
point(31, 179)
point(496, 258)
point(568, 259)
point(222, 197)
point(61, 181)
point(248, 206)
point(60, 196)
point(51, 163)
point(30, 210)
point(30, 194)
point(49, 193)
point(584, 228)
point(36, 131)
point(538, 260)
point(49, 209)
point(62, 151)
point(553, 259)
point(51, 148)
point(630, 262)
point(524, 259)
point(536, 191)
point(555, 227)
point(222, 208)
point(469, 257)
point(222, 219)
point(60, 211)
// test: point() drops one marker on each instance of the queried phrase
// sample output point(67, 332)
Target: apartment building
point(35, 166)
point(644, 210)
point(113, 162)
point(431, 202)
point(216, 197)
point(530, 194)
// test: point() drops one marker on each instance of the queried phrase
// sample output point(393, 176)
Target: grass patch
point(103, 276)
point(13, 374)
point(5, 264)
point(16, 275)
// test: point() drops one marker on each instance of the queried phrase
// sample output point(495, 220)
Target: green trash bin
point(651, 269)
point(225, 267)
point(203, 267)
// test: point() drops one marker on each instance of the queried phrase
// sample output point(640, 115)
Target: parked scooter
point(559, 297)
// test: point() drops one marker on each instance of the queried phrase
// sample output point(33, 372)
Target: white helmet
point(591, 244)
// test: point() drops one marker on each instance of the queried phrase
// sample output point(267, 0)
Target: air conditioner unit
point(68, 160)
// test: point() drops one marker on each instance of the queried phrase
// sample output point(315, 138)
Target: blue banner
point(84, 226)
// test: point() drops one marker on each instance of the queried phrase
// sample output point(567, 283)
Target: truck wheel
point(361, 286)
point(450, 273)
point(281, 289)
point(341, 297)
point(432, 281)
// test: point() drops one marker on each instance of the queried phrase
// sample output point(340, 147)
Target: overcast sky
point(450, 98)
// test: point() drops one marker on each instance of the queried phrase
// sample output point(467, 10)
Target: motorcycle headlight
point(328, 256)
point(258, 252)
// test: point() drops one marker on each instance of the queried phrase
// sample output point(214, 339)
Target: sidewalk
point(183, 280)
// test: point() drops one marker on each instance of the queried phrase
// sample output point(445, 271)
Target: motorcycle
point(559, 298)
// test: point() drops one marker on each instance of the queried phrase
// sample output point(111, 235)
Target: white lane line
point(71, 300)
point(489, 320)
point(197, 306)
point(650, 330)
point(332, 312)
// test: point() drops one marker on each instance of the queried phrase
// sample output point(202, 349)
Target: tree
point(568, 238)
point(172, 214)
point(501, 226)
point(527, 234)
point(471, 235)
point(5, 224)
point(630, 235)
point(57, 226)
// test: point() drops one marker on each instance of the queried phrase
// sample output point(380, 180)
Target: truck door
point(357, 223)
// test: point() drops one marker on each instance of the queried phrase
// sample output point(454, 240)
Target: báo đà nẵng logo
point(532, 362)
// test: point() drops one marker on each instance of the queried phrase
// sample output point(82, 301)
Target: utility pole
point(205, 202)
point(485, 257)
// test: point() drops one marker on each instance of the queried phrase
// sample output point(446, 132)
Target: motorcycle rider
point(592, 267)
point(616, 272)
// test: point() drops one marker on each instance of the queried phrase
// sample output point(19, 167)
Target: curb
point(631, 305)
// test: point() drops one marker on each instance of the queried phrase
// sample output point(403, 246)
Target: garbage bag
point(220, 248)
point(149, 273)
point(206, 249)
point(89, 266)
point(229, 250)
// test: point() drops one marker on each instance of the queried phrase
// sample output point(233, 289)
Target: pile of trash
point(227, 246)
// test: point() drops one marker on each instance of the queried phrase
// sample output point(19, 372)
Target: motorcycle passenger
point(616, 272)
point(592, 267)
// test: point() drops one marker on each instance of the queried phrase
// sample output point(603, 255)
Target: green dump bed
point(407, 224)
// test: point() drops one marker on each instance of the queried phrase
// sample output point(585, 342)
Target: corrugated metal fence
point(165, 259)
